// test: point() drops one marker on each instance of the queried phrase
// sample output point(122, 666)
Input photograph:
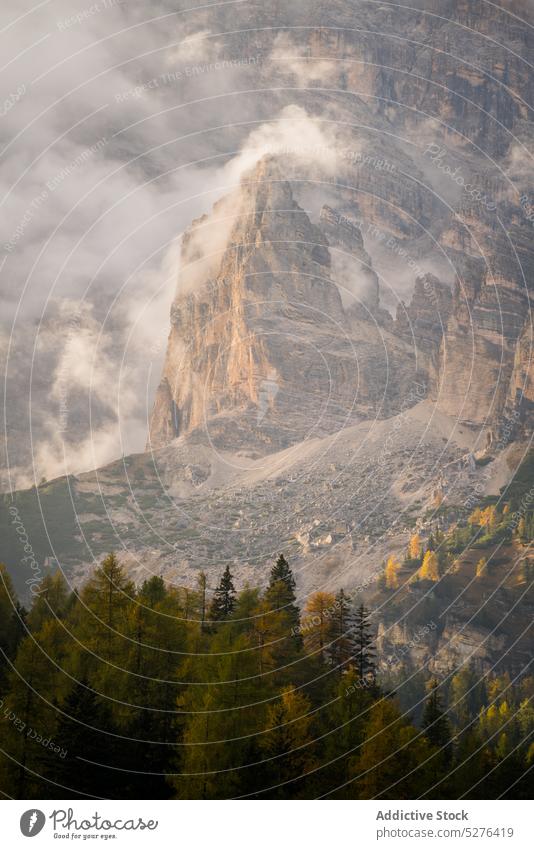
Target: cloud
point(296, 135)
point(95, 191)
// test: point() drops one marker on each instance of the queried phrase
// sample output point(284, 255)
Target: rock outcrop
point(423, 322)
point(262, 352)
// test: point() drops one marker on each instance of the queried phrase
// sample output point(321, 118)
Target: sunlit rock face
point(262, 351)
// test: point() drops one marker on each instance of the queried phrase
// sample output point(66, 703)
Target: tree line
point(120, 691)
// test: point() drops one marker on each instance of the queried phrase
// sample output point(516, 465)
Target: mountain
point(262, 352)
point(350, 346)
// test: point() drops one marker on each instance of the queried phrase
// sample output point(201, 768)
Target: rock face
point(521, 394)
point(427, 188)
point(345, 238)
point(424, 321)
point(489, 318)
point(431, 137)
point(262, 352)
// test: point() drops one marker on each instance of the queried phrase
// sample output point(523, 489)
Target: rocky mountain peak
point(261, 351)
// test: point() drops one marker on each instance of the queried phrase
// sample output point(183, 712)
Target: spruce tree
point(202, 581)
point(81, 734)
point(343, 647)
point(435, 724)
point(281, 595)
point(364, 659)
point(224, 600)
point(281, 572)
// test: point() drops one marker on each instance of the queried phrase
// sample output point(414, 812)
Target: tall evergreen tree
point(202, 581)
point(343, 647)
point(224, 599)
point(281, 572)
point(364, 660)
point(281, 595)
point(435, 723)
point(80, 733)
point(12, 617)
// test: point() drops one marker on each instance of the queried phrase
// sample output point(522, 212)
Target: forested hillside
point(117, 692)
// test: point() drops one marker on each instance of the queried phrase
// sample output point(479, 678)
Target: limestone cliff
point(262, 352)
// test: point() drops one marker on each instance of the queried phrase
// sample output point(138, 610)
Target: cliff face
point(277, 330)
point(262, 352)
point(424, 321)
point(490, 316)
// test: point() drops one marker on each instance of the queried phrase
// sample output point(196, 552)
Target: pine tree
point(435, 724)
point(281, 572)
point(476, 517)
point(222, 719)
point(343, 647)
point(81, 732)
point(35, 684)
point(467, 695)
point(489, 518)
point(281, 596)
point(344, 720)
point(224, 599)
point(104, 623)
point(364, 660)
point(109, 593)
point(202, 581)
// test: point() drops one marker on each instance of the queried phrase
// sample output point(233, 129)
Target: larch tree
point(394, 761)
point(317, 622)
point(391, 573)
point(414, 547)
point(429, 570)
point(288, 738)
point(481, 567)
